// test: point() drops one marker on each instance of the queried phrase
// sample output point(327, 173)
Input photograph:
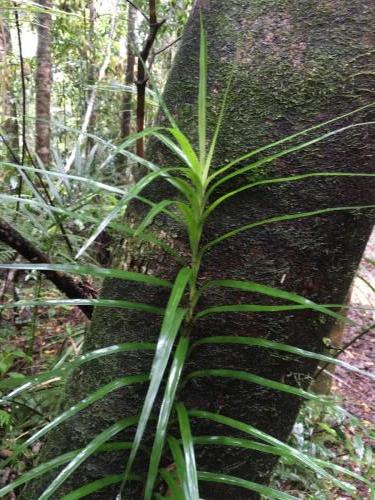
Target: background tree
point(129, 73)
point(43, 82)
point(9, 123)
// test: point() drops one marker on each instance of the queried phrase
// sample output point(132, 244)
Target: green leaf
point(171, 324)
point(97, 485)
point(187, 153)
point(165, 411)
point(154, 212)
point(202, 96)
point(252, 286)
point(242, 483)
point(218, 126)
point(279, 180)
point(269, 344)
point(172, 485)
point(61, 175)
point(121, 205)
point(179, 461)
point(92, 271)
point(54, 463)
point(27, 383)
point(273, 450)
point(86, 452)
point(280, 218)
point(188, 446)
point(244, 308)
point(255, 379)
point(300, 457)
point(124, 304)
point(291, 137)
point(84, 403)
point(236, 442)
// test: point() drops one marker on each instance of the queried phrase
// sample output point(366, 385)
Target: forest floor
point(358, 392)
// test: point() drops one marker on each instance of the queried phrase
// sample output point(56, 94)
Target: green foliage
point(327, 433)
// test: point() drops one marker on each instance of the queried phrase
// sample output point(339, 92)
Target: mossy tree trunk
point(298, 63)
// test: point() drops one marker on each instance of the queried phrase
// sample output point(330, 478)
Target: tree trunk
point(8, 121)
point(298, 63)
point(43, 83)
point(91, 71)
point(129, 73)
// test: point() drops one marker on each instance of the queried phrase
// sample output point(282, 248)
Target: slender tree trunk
point(127, 100)
point(8, 121)
point(297, 63)
point(43, 84)
point(92, 68)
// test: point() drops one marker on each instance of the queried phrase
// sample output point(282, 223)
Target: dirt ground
point(358, 392)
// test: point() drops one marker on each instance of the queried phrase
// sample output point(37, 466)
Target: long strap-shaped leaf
point(269, 344)
point(173, 318)
point(173, 486)
point(179, 462)
point(121, 205)
point(54, 463)
point(61, 175)
point(245, 308)
point(97, 485)
point(81, 405)
point(124, 304)
point(255, 379)
point(277, 293)
point(27, 383)
point(281, 218)
point(154, 212)
point(237, 442)
point(273, 450)
point(289, 450)
point(202, 96)
point(92, 271)
point(288, 138)
point(273, 157)
point(280, 180)
point(188, 446)
point(86, 452)
point(242, 483)
point(165, 411)
point(121, 228)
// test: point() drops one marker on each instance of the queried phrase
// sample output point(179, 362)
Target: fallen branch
point(141, 83)
point(71, 287)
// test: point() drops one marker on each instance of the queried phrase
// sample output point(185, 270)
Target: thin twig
point(345, 348)
point(138, 9)
point(156, 53)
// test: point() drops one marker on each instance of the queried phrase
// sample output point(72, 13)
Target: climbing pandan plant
point(159, 456)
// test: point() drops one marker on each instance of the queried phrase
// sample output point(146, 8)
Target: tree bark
point(91, 70)
point(126, 112)
point(9, 121)
point(298, 63)
point(43, 84)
